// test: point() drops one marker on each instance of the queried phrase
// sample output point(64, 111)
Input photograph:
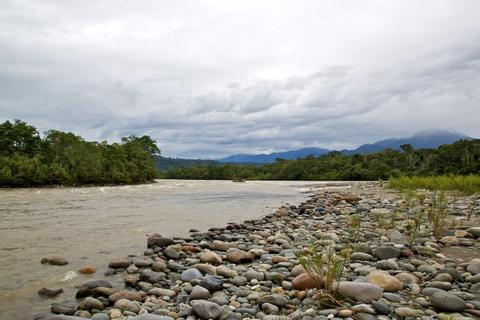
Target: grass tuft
point(468, 184)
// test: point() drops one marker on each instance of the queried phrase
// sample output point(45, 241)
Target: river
point(94, 225)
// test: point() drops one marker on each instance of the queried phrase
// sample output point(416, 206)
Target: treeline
point(63, 158)
point(459, 158)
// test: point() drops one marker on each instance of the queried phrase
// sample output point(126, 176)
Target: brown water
point(92, 226)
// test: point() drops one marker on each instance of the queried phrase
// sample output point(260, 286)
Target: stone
point(151, 276)
point(240, 256)
point(446, 301)
point(387, 252)
point(304, 281)
point(210, 257)
point(119, 264)
point(50, 293)
point(205, 268)
point(149, 316)
point(191, 274)
point(360, 291)
point(65, 307)
point(156, 240)
point(171, 253)
point(100, 316)
point(159, 266)
point(386, 281)
point(161, 292)
point(86, 289)
point(126, 305)
point(474, 266)
point(395, 236)
point(212, 284)
point(87, 270)
point(474, 231)
point(92, 303)
point(361, 256)
point(406, 312)
point(251, 274)
point(54, 261)
point(270, 308)
point(381, 308)
point(198, 293)
point(226, 272)
point(221, 245)
point(206, 309)
point(130, 295)
point(276, 299)
point(450, 241)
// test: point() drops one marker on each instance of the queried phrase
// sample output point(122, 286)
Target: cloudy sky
point(214, 78)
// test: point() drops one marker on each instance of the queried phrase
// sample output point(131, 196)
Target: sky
point(207, 79)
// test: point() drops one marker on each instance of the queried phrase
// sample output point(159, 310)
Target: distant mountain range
point(432, 138)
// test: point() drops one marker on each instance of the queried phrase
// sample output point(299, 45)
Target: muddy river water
point(94, 225)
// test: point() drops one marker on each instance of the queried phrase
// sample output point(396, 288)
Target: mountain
point(267, 158)
point(431, 138)
point(164, 164)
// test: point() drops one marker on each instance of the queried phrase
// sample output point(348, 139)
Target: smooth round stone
point(198, 293)
point(387, 252)
point(191, 274)
point(270, 308)
point(445, 301)
point(206, 309)
point(381, 308)
point(406, 312)
point(100, 316)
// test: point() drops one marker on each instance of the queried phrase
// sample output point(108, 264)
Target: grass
point(326, 267)
point(467, 184)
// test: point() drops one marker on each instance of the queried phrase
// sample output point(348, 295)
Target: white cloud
point(211, 78)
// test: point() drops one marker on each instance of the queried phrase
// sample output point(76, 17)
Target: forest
point(63, 158)
point(459, 158)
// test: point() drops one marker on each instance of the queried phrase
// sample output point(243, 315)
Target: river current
point(95, 225)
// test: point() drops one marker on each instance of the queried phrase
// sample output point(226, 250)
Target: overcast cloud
point(214, 78)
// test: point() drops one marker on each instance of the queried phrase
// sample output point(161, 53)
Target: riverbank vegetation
point(467, 184)
point(62, 158)
point(460, 158)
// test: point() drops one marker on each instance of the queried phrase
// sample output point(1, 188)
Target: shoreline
point(250, 270)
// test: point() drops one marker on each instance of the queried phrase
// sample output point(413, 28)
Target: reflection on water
point(97, 224)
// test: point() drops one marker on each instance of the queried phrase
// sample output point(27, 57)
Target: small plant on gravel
point(355, 222)
point(438, 213)
point(469, 212)
point(326, 267)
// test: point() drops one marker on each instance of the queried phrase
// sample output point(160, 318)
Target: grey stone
point(206, 309)
point(445, 301)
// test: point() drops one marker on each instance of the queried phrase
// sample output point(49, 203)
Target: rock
point(119, 264)
point(395, 236)
point(276, 299)
point(191, 274)
point(126, 305)
point(149, 316)
point(360, 291)
point(387, 252)
point(87, 270)
point(212, 284)
point(226, 272)
point(100, 316)
point(304, 281)
point(406, 312)
point(160, 292)
point(92, 303)
point(159, 266)
point(474, 266)
point(86, 289)
point(151, 276)
point(54, 261)
point(130, 295)
point(156, 240)
point(446, 301)
point(387, 282)
point(65, 307)
point(361, 256)
point(199, 293)
point(270, 308)
point(205, 268)
point(381, 308)
point(474, 231)
point(407, 278)
point(253, 274)
point(210, 257)
point(47, 292)
point(171, 253)
point(206, 309)
point(450, 241)
point(220, 245)
point(240, 256)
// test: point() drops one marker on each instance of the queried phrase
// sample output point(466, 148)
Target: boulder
point(384, 280)
point(156, 240)
point(360, 291)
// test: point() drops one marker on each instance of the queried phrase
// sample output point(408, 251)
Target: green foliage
point(468, 184)
point(325, 267)
point(459, 158)
point(62, 158)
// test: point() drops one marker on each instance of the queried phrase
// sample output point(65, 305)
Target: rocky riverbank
point(251, 270)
